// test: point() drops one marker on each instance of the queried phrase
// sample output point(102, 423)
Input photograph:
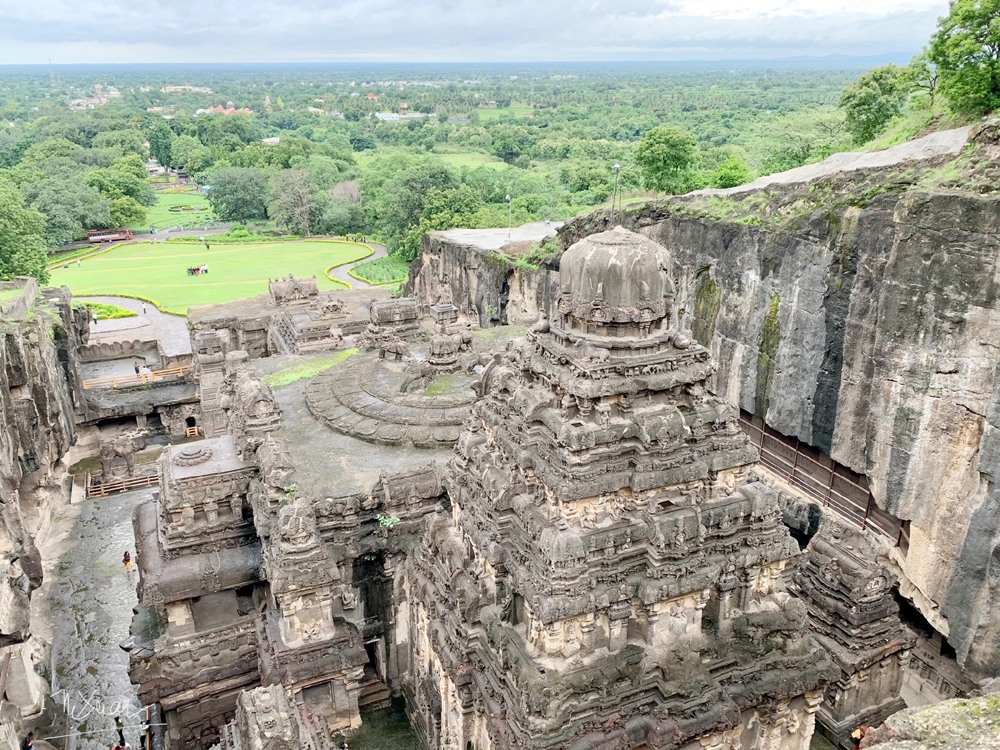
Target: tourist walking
point(28, 742)
point(143, 308)
point(135, 365)
point(118, 721)
point(127, 562)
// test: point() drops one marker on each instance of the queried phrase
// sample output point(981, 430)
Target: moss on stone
point(707, 298)
point(306, 369)
point(770, 337)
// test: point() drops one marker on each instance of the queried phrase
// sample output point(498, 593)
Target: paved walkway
point(117, 324)
point(170, 330)
point(342, 275)
point(86, 602)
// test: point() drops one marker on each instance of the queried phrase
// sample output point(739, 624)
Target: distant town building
point(229, 109)
point(186, 89)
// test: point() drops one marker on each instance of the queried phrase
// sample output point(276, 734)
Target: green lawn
point(159, 271)
point(471, 159)
point(160, 215)
point(382, 270)
point(486, 115)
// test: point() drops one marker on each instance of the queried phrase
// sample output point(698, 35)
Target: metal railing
point(126, 381)
point(818, 476)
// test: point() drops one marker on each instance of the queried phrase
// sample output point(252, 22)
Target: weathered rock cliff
point(39, 333)
point(858, 311)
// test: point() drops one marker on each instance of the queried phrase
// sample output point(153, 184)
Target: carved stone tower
point(608, 577)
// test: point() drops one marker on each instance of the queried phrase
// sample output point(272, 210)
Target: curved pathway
point(340, 273)
point(170, 330)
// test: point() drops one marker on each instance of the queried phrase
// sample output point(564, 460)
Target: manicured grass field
point(159, 270)
point(486, 115)
point(160, 215)
point(382, 270)
point(472, 159)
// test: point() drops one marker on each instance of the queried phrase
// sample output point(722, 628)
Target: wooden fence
point(127, 381)
point(818, 476)
point(118, 485)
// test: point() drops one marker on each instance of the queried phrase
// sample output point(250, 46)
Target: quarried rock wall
point(869, 330)
point(39, 334)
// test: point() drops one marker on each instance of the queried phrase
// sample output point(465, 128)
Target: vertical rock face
point(609, 577)
point(39, 333)
point(867, 326)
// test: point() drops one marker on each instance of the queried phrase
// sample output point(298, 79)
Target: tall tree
point(129, 141)
point(238, 193)
point(292, 200)
point(22, 238)
point(732, 172)
point(872, 101)
point(966, 49)
point(181, 148)
point(667, 157)
point(921, 75)
point(69, 205)
point(160, 142)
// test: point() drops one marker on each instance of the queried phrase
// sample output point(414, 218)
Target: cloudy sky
point(73, 31)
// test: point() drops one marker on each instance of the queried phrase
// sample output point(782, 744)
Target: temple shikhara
point(554, 527)
point(595, 567)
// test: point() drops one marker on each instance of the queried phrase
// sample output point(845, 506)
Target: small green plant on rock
point(290, 491)
point(386, 524)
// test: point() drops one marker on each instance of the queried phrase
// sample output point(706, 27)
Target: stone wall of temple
point(868, 328)
point(39, 334)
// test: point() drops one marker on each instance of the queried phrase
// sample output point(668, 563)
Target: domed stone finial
point(616, 277)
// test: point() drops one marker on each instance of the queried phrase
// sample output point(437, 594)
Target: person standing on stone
point(143, 308)
point(118, 721)
point(127, 562)
point(28, 743)
point(136, 366)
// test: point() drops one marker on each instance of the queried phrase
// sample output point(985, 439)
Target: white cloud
point(460, 30)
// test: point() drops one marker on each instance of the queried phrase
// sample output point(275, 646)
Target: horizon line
point(698, 61)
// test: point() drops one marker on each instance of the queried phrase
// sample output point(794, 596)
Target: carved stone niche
point(853, 614)
point(291, 290)
point(266, 720)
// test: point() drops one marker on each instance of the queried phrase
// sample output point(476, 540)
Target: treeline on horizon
point(545, 139)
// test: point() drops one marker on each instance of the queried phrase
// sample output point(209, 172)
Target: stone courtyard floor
point(86, 605)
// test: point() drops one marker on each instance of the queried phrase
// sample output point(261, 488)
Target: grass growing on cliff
point(306, 369)
point(538, 254)
point(770, 337)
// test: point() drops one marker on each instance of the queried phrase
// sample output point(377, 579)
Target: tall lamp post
point(509, 215)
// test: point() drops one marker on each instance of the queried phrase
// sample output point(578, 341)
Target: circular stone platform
point(360, 397)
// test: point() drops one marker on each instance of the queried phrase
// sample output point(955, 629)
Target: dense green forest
point(394, 151)
point(347, 161)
